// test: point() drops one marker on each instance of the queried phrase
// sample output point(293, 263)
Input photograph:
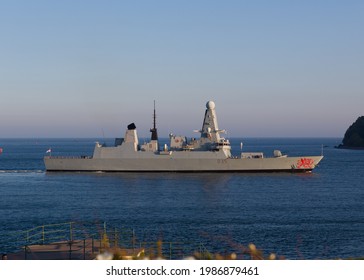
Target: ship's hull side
point(170, 164)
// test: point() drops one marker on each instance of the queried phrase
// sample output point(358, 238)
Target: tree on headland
point(354, 135)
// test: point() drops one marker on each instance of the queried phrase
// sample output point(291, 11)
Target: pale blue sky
point(273, 68)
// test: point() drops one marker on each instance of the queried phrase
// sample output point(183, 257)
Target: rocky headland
point(354, 136)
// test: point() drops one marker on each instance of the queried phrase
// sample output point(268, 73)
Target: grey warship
point(209, 153)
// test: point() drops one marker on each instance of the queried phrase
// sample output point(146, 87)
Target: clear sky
point(87, 68)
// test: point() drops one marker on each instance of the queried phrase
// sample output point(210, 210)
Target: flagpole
point(49, 151)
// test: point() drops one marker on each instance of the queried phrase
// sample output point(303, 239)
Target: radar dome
point(210, 105)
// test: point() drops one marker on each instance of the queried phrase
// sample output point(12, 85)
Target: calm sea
point(299, 216)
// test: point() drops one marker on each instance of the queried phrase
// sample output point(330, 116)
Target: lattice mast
point(154, 129)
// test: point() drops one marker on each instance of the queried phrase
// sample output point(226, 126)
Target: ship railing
point(69, 157)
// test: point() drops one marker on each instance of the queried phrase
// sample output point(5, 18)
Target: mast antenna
point(154, 129)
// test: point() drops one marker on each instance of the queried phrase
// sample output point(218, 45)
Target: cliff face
point(354, 136)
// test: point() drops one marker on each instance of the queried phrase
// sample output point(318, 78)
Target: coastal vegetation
point(354, 136)
point(155, 252)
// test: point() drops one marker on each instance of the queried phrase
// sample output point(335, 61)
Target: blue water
point(298, 216)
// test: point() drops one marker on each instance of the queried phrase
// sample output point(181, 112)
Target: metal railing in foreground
point(78, 240)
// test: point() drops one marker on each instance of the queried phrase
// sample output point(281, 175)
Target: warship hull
point(283, 164)
point(209, 153)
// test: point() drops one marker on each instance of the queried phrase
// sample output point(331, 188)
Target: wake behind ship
point(210, 153)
